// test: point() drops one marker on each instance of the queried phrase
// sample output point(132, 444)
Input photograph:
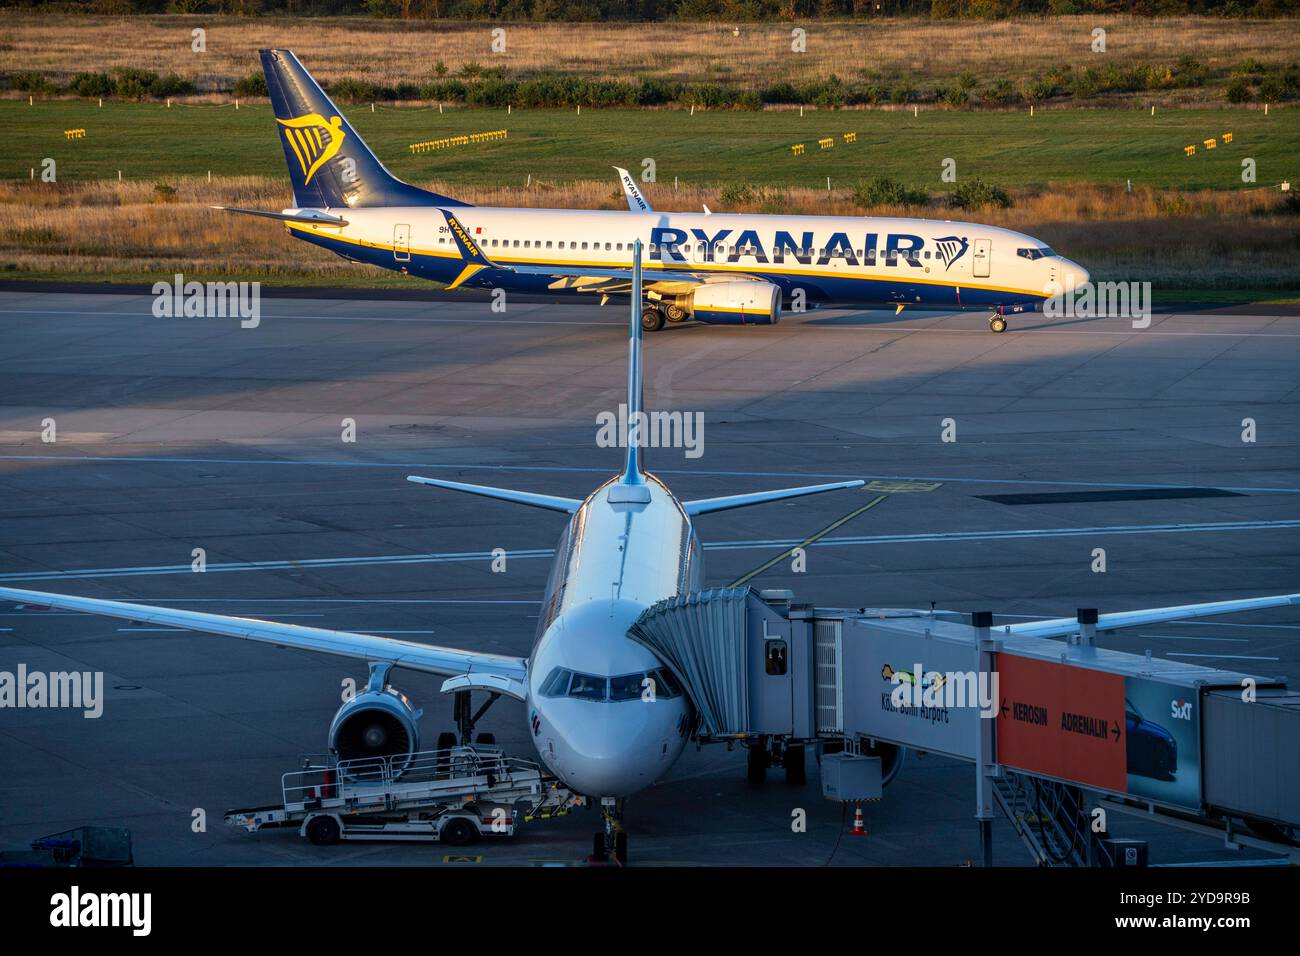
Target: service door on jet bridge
point(402, 242)
point(982, 256)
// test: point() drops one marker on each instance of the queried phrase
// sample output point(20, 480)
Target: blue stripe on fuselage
point(837, 290)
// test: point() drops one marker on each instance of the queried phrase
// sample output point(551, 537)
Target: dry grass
point(1206, 239)
point(389, 52)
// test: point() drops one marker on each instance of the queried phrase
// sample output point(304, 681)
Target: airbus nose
point(611, 749)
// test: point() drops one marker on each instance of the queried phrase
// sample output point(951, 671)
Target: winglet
point(475, 259)
point(636, 200)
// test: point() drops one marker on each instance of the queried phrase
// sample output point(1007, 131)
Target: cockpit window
point(566, 683)
point(666, 685)
point(627, 687)
point(1041, 252)
point(557, 684)
point(588, 687)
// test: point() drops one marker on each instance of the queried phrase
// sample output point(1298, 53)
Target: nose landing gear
point(610, 845)
point(997, 323)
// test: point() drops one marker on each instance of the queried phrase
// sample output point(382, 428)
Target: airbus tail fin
point(632, 466)
point(330, 166)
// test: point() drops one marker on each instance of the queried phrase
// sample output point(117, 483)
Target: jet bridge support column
point(986, 768)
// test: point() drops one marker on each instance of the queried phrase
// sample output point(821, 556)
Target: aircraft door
point(983, 250)
point(699, 252)
point(402, 242)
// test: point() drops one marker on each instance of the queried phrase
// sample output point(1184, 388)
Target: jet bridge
point(1065, 722)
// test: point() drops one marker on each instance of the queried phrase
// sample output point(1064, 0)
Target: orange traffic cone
point(858, 828)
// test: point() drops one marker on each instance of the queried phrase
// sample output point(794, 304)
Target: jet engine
point(737, 303)
point(377, 723)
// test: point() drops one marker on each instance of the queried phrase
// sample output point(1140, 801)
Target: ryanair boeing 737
point(709, 267)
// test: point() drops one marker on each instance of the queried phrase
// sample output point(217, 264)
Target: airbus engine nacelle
point(376, 724)
point(737, 303)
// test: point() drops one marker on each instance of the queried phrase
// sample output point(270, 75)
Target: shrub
point(92, 84)
point(883, 191)
point(1040, 89)
point(352, 90)
point(1272, 89)
point(954, 96)
point(31, 83)
point(252, 85)
point(736, 194)
point(976, 194)
point(1237, 90)
point(1001, 92)
point(170, 85)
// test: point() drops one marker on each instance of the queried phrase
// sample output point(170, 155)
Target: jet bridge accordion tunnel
point(1163, 735)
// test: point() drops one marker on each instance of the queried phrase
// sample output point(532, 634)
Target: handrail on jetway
point(1180, 737)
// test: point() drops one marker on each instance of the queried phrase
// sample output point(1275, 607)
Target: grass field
point(389, 51)
point(1190, 222)
point(149, 141)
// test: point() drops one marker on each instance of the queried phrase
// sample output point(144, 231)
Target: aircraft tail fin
point(330, 165)
point(632, 476)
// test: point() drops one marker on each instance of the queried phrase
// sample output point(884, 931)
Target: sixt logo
point(951, 248)
point(314, 140)
point(1180, 709)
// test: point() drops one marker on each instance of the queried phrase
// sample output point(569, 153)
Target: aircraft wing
point(1065, 626)
point(427, 658)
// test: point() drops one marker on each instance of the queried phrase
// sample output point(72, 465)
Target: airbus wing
point(428, 658)
point(1065, 626)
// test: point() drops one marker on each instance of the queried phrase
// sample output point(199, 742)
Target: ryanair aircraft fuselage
point(714, 268)
point(820, 260)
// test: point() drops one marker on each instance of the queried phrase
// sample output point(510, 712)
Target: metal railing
point(368, 779)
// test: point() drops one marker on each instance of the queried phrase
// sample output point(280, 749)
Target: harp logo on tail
point(951, 248)
point(313, 140)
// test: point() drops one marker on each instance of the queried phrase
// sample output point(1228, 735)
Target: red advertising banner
point(1062, 721)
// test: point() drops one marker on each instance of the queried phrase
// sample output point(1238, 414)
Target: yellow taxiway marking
point(811, 539)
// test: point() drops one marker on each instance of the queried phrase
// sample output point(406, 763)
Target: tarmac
point(173, 434)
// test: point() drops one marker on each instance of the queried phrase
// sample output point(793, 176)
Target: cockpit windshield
point(562, 682)
point(1038, 252)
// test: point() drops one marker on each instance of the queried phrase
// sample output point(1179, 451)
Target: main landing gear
point(610, 845)
point(764, 753)
point(652, 320)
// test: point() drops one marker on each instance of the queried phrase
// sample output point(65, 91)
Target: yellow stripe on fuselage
point(712, 268)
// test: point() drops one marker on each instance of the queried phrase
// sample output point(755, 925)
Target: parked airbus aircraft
point(628, 545)
point(710, 267)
